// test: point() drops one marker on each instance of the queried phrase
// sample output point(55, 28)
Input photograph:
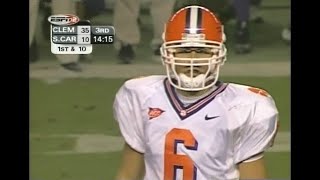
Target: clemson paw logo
point(154, 112)
point(259, 91)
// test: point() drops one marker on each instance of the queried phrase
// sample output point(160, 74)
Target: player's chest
point(204, 129)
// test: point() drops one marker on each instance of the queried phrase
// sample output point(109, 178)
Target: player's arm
point(256, 135)
point(253, 168)
point(128, 116)
point(131, 166)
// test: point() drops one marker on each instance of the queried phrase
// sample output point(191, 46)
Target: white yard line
point(53, 73)
point(100, 143)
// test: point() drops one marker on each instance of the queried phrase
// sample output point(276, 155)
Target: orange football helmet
point(193, 26)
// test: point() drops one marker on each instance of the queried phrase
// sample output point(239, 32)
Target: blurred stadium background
point(72, 132)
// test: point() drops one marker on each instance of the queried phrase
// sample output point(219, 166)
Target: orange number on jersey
point(259, 91)
point(173, 160)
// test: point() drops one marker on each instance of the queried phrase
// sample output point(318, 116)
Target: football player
point(188, 124)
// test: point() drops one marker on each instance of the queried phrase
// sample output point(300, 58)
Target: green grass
point(104, 166)
point(45, 144)
point(278, 165)
point(75, 167)
point(74, 106)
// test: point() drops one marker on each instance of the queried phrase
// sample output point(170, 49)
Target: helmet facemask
point(193, 27)
point(199, 72)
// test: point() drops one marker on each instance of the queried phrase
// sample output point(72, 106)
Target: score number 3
point(174, 161)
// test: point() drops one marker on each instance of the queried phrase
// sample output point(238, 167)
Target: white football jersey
point(202, 141)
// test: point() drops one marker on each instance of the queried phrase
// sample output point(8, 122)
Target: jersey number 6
point(173, 160)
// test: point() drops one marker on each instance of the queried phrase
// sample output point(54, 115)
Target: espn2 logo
point(63, 19)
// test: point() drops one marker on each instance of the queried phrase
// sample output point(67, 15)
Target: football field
point(73, 135)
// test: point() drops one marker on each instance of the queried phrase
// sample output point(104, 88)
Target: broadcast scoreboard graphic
point(70, 35)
